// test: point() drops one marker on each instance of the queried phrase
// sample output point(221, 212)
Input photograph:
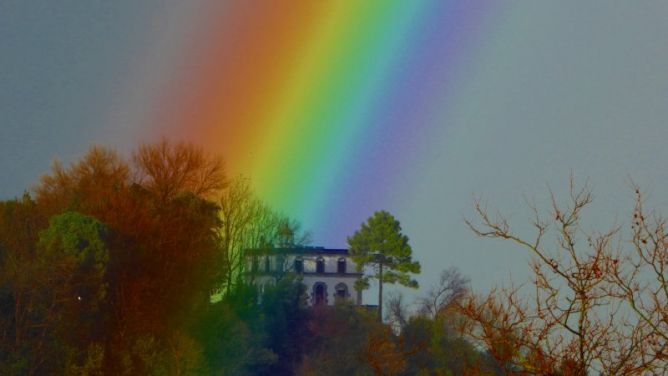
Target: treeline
point(106, 265)
point(137, 267)
point(109, 265)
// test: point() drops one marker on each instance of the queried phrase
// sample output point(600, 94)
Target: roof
point(303, 251)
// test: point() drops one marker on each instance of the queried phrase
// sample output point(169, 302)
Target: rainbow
point(325, 105)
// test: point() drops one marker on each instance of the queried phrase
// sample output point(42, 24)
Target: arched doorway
point(319, 293)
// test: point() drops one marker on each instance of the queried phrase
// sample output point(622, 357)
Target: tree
point(590, 308)
point(74, 254)
point(90, 185)
point(164, 246)
point(451, 288)
point(433, 349)
point(23, 350)
point(53, 291)
point(397, 312)
point(248, 225)
point(379, 243)
point(640, 279)
point(238, 210)
point(348, 340)
point(430, 338)
point(167, 169)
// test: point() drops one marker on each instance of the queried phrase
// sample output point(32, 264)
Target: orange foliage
point(167, 169)
point(163, 245)
point(592, 307)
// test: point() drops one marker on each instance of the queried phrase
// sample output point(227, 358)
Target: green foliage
point(179, 354)
point(247, 223)
point(111, 268)
point(338, 340)
point(380, 241)
point(230, 347)
point(74, 250)
point(53, 290)
point(80, 295)
point(92, 363)
point(73, 257)
point(436, 349)
point(249, 334)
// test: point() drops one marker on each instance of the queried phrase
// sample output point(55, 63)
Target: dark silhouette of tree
point(341, 342)
point(379, 243)
point(23, 348)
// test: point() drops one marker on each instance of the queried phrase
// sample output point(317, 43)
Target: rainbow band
point(325, 105)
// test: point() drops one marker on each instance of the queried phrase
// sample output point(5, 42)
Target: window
point(341, 291)
point(267, 264)
point(280, 263)
point(299, 265)
point(341, 265)
point(320, 265)
point(254, 264)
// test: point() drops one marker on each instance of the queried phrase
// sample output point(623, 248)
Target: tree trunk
point(380, 292)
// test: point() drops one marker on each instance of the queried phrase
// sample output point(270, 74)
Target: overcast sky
point(558, 86)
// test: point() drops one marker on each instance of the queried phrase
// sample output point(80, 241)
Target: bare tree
point(396, 311)
point(572, 323)
point(237, 210)
point(250, 230)
point(639, 278)
point(499, 322)
point(167, 169)
point(246, 223)
point(451, 287)
point(88, 185)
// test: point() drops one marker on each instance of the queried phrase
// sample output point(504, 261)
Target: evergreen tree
point(380, 244)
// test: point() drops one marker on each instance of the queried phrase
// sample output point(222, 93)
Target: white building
point(328, 274)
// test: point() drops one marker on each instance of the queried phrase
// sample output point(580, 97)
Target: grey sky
point(558, 86)
point(69, 74)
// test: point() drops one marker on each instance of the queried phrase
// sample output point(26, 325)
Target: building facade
point(328, 274)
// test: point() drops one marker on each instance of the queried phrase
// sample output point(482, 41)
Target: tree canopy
point(379, 243)
point(112, 267)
